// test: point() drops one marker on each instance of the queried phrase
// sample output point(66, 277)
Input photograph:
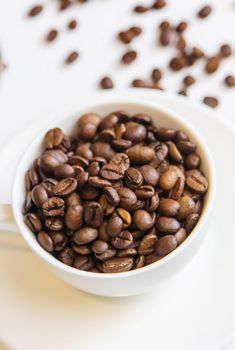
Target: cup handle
point(7, 221)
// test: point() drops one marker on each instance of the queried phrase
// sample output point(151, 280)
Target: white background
point(37, 82)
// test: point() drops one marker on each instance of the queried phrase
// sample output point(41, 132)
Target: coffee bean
point(191, 222)
point(129, 57)
point(143, 220)
point(49, 184)
point(39, 195)
point(123, 240)
point(174, 153)
point(65, 187)
point(33, 222)
point(125, 216)
point(156, 75)
point(167, 225)
point(87, 131)
point(51, 159)
point(150, 175)
point(116, 265)
point(28, 204)
point(165, 25)
point(73, 217)
point(168, 207)
point(106, 83)
point(78, 161)
point(99, 247)
point(197, 183)
point(59, 240)
point(186, 207)
point(72, 24)
point(64, 4)
point(135, 132)
point(140, 154)
point(129, 252)
point(96, 181)
point(54, 224)
point(177, 63)
point(139, 83)
point(181, 43)
point(53, 206)
point(225, 51)
point(127, 197)
point(211, 101)
point(192, 161)
point(52, 35)
point(139, 262)
point(93, 214)
point(145, 192)
point(212, 64)
point(186, 147)
point(230, 80)
point(63, 171)
point(67, 256)
point(102, 149)
point(147, 243)
point(181, 27)
point(114, 226)
point(165, 37)
point(135, 31)
point(34, 11)
point(180, 235)
point(166, 134)
point(152, 203)
point(126, 37)
point(159, 4)
point(31, 179)
point(45, 241)
point(141, 9)
point(85, 235)
point(178, 189)
point(165, 245)
point(103, 234)
point(133, 178)
point(84, 263)
point(81, 249)
point(205, 11)
point(72, 57)
point(168, 179)
point(112, 196)
point(107, 255)
point(108, 209)
point(189, 80)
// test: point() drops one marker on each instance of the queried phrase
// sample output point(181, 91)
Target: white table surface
point(36, 81)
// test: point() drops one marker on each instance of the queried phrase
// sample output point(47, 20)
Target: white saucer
point(197, 311)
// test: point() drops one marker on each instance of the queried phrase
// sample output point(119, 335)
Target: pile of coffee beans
point(121, 195)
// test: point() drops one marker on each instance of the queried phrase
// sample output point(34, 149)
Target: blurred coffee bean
point(84, 263)
point(31, 179)
point(204, 11)
point(129, 57)
point(165, 245)
point(187, 205)
point(115, 265)
point(54, 224)
point(180, 235)
point(63, 171)
point(93, 214)
point(147, 243)
point(45, 241)
point(211, 101)
point(34, 11)
point(191, 222)
point(33, 222)
point(39, 195)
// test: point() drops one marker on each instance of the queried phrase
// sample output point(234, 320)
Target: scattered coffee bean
point(225, 51)
point(52, 35)
point(211, 101)
point(72, 24)
point(129, 57)
point(141, 9)
point(106, 83)
point(156, 75)
point(230, 80)
point(139, 83)
point(64, 4)
point(159, 4)
point(72, 57)
point(189, 80)
point(177, 63)
point(165, 37)
point(34, 11)
point(212, 64)
point(205, 11)
point(181, 27)
point(120, 195)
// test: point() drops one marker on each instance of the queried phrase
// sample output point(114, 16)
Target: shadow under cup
point(135, 281)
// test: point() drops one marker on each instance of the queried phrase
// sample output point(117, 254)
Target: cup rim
point(90, 105)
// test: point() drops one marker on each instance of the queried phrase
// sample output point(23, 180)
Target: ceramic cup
point(143, 279)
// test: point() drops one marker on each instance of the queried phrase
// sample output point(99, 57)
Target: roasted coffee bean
point(165, 37)
point(31, 179)
point(87, 131)
point(102, 149)
point(127, 197)
point(168, 179)
point(89, 193)
point(186, 207)
point(72, 24)
point(212, 64)
point(51, 159)
point(141, 9)
point(52, 35)
point(166, 134)
point(165, 25)
point(28, 204)
point(98, 182)
point(115, 265)
point(108, 209)
point(112, 196)
point(204, 11)
point(81, 249)
point(63, 171)
point(106, 83)
point(64, 4)
point(180, 235)
point(39, 195)
point(79, 161)
point(174, 153)
point(125, 216)
point(181, 43)
point(54, 224)
point(197, 183)
point(111, 172)
point(189, 80)
point(140, 154)
point(103, 234)
point(121, 160)
point(65, 187)
point(165, 245)
point(123, 240)
point(85, 235)
point(34, 11)
point(167, 225)
point(230, 80)
point(84, 151)
point(114, 226)
point(93, 214)
point(145, 192)
point(177, 63)
point(150, 175)
point(59, 240)
point(142, 220)
point(139, 83)
point(106, 136)
point(186, 147)
point(92, 118)
point(225, 51)
point(181, 27)
point(133, 178)
point(135, 132)
point(147, 243)
point(53, 206)
point(84, 263)
point(139, 262)
point(129, 252)
point(152, 258)
point(67, 256)
point(45, 241)
point(121, 144)
point(82, 179)
point(129, 57)
point(73, 217)
point(211, 101)
point(168, 207)
point(73, 199)
point(159, 4)
point(33, 222)
point(156, 75)
point(191, 222)
point(152, 203)
point(192, 161)
point(49, 184)
point(72, 57)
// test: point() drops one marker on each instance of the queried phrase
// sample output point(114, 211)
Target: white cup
point(136, 281)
